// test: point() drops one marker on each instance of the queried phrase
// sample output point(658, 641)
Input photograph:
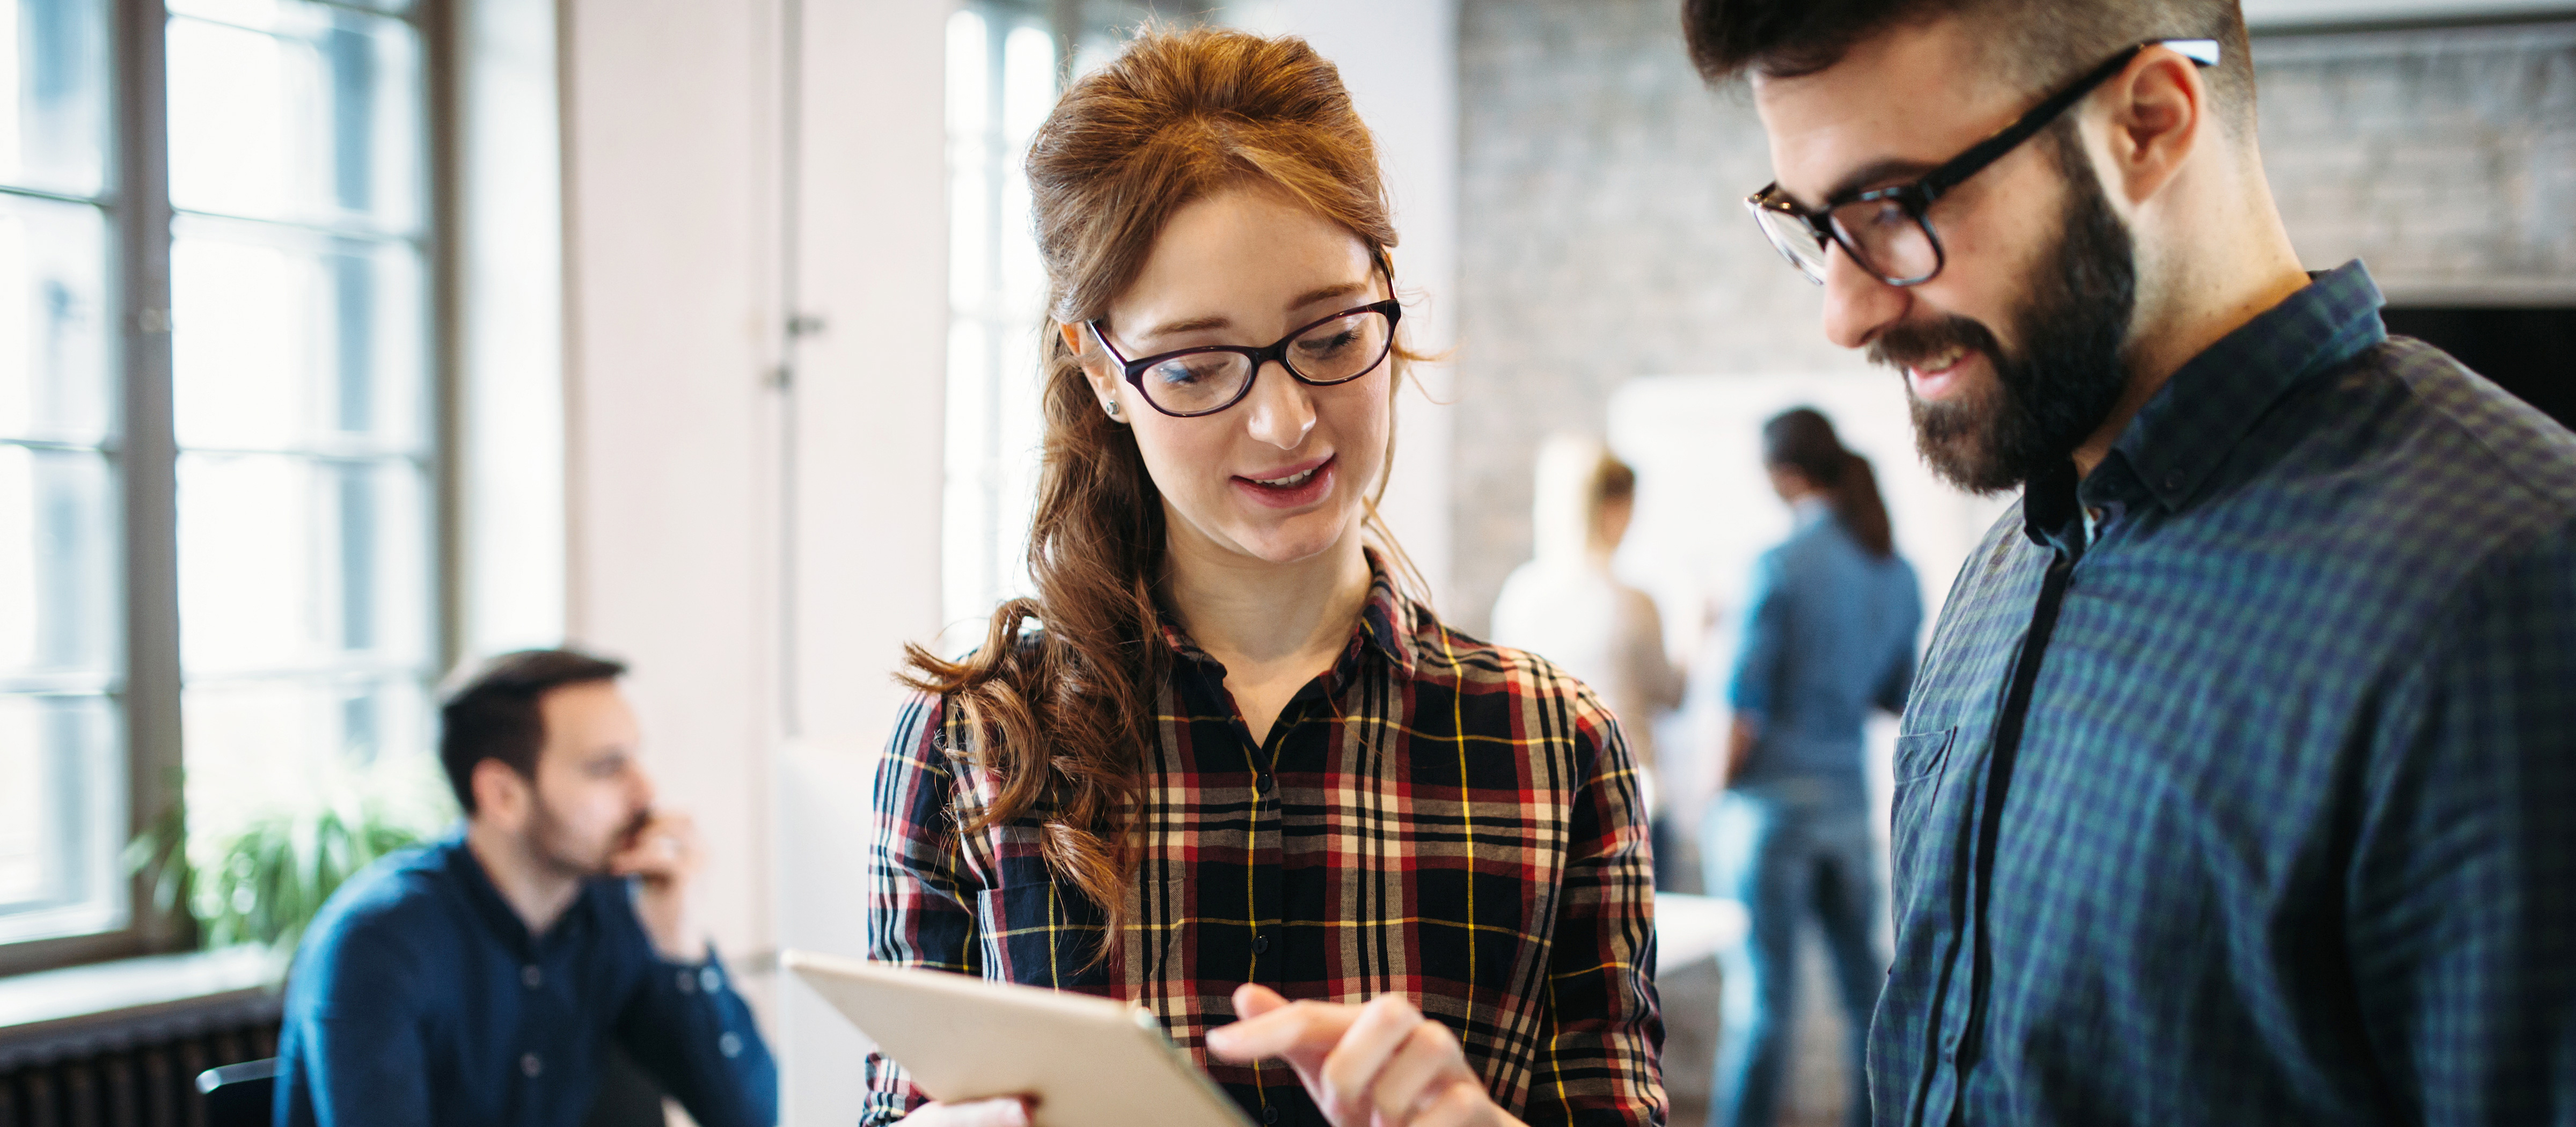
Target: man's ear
point(500, 795)
point(2160, 114)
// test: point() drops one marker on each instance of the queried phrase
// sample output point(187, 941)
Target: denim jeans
point(1788, 848)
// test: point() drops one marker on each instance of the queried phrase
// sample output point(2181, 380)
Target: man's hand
point(1740, 737)
point(664, 854)
point(1378, 1065)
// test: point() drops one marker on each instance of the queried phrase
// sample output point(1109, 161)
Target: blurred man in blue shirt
point(477, 981)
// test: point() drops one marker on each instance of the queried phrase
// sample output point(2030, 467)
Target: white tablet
point(1090, 1062)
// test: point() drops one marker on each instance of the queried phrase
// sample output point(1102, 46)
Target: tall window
point(61, 777)
point(291, 407)
point(1004, 72)
point(300, 376)
point(1001, 82)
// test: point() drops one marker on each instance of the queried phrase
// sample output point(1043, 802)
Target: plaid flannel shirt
point(2256, 802)
point(1437, 817)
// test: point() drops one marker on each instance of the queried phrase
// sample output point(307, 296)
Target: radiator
point(145, 1080)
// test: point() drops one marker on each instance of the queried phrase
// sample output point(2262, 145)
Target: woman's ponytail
point(1803, 439)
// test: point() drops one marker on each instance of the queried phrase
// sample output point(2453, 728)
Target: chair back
point(239, 1095)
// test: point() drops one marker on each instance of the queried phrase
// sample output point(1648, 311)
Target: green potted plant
point(260, 875)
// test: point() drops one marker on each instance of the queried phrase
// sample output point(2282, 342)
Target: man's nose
point(1280, 411)
point(1858, 303)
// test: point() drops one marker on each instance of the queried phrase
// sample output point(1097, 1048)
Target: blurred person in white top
point(1567, 606)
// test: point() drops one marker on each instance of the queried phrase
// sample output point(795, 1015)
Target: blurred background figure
point(1567, 606)
point(1828, 634)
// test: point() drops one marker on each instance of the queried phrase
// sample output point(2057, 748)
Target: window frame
point(144, 687)
point(976, 574)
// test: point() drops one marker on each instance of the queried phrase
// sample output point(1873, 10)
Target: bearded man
point(2236, 786)
point(477, 982)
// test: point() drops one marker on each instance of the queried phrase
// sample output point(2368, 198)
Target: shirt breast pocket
point(1922, 766)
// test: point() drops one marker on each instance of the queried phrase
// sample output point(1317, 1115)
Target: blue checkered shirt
point(2252, 800)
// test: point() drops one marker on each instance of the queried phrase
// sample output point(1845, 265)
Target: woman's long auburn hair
point(1064, 717)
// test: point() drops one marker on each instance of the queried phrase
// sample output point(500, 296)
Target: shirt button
point(531, 976)
point(1260, 943)
point(531, 1064)
point(688, 983)
point(1270, 1115)
point(729, 1045)
point(709, 980)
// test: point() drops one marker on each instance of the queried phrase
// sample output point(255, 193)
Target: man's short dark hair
point(2035, 44)
point(495, 715)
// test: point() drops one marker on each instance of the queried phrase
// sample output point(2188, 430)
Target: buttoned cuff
point(704, 976)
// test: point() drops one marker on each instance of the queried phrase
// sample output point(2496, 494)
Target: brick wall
point(1601, 238)
point(2446, 160)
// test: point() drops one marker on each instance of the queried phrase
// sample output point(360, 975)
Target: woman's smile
point(1294, 487)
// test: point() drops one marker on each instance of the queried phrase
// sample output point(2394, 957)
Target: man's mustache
point(1909, 343)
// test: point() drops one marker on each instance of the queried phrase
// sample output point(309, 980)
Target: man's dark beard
point(555, 848)
point(2055, 392)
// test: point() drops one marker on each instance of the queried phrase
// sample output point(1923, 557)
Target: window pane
point(258, 743)
point(57, 566)
point(53, 320)
point(300, 363)
point(1001, 83)
point(303, 565)
point(62, 816)
point(300, 112)
point(260, 13)
point(53, 94)
point(292, 340)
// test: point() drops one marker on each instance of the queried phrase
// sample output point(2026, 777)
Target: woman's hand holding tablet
point(1381, 1064)
point(1003, 1112)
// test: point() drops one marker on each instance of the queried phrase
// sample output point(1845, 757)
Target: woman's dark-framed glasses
point(1887, 231)
point(1204, 381)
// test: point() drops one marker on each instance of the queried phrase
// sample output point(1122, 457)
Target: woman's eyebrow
point(1194, 324)
point(1342, 290)
point(1221, 321)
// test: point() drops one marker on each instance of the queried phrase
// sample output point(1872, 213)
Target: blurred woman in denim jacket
point(1829, 633)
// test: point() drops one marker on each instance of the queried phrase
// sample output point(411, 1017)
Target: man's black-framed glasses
point(1887, 231)
point(1206, 380)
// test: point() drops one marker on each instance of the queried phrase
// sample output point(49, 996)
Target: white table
point(1690, 928)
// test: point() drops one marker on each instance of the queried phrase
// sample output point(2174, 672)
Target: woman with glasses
point(1225, 763)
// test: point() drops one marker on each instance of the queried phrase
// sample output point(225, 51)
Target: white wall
point(667, 181)
point(684, 453)
point(873, 257)
point(509, 232)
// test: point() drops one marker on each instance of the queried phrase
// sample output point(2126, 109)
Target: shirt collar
point(1386, 624)
point(466, 870)
point(476, 885)
point(1808, 510)
point(2192, 423)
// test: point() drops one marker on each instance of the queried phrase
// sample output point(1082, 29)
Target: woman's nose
point(1280, 412)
